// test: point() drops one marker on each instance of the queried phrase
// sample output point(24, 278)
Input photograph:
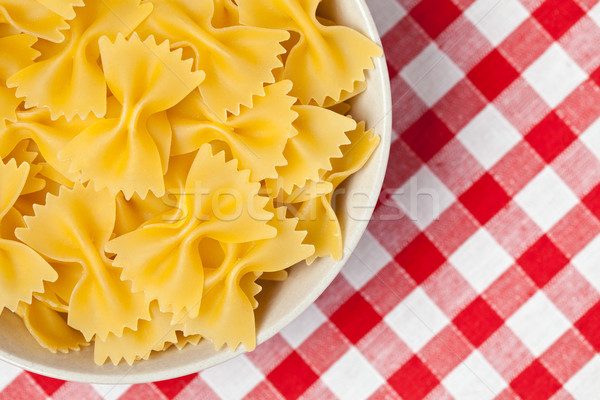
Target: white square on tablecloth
point(594, 14)
point(386, 13)
point(8, 373)
point(585, 385)
point(431, 74)
point(481, 260)
point(554, 75)
point(111, 392)
point(424, 197)
point(474, 379)
point(489, 136)
point(352, 377)
point(587, 262)
point(233, 379)
point(591, 137)
point(538, 323)
point(366, 261)
point(496, 19)
point(302, 327)
point(546, 199)
point(417, 319)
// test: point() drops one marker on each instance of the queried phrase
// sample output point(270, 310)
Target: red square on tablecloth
point(478, 321)
point(292, 377)
point(558, 16)
point(414, 380)
point(355, 318)
point(485, 198)
point(535, 383)
point(542, 261)
point(550, 137)
point(427, 136)
point(435, 15)
point(589, 326)
point(420, 258)
point(492, 75)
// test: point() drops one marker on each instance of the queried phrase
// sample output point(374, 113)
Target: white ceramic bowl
point(281, 302)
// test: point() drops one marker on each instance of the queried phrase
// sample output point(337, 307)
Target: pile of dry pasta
point(159, 158)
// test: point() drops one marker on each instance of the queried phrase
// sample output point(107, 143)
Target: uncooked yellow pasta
point(160, 159)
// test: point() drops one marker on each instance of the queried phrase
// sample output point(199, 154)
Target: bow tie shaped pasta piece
point(147, 82)
point(68, 79)
point(162, 257)
point(327, 60)
point(74, 227)
point(256, 137)
point(49, 328)
point(227, 310)
point(152, 335)
point(238, 60)
point(22, 270)
point(49, 136)
point(15, 54)
point(35, 18)
point(321, 132)
point(317, 215)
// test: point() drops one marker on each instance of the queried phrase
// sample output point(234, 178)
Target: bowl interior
point(284, 301)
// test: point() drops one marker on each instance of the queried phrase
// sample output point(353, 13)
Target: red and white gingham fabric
point(479, 277)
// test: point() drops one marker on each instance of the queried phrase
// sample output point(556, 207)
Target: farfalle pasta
point(326, 61)
point(161, 159)
point(67, 78)
point(238, 60)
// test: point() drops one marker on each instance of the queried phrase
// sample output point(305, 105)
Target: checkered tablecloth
point(479, 277)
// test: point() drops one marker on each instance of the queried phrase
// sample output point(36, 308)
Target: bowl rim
point(385, 132)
